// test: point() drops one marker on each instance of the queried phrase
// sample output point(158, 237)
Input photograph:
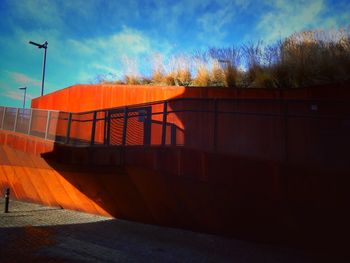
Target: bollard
point(7, 199)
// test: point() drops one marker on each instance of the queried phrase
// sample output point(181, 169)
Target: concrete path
point(35, 233)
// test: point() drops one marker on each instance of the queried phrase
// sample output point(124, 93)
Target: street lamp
point(227, 62)
point(24, 96)
point(44, 46)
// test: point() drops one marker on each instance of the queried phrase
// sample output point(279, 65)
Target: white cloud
point(45, 12)
point(127, 42)
point(213, 23)
point(23, 79)
point(107, 55)
point(16, 95)
point(284, 17)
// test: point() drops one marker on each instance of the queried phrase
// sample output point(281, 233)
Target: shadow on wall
point(210, 192)
point(267, 170)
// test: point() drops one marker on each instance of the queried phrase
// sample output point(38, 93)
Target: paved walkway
point(35, 233)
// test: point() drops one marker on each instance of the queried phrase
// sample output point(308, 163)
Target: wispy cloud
point(43, 12)
point(284, 17)
point(23, 79)
point(17, 95)
point(126, 42)
point(213, 23)
point(106, 55)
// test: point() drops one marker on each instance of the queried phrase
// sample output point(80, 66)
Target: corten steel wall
point(267, 130)
point(27, 144)
point(211, 192)
point(91, 97)
point(306, 132)
point(82, 97)
point(31, 178)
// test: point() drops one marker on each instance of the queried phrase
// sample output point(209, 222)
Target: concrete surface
point(36, 233)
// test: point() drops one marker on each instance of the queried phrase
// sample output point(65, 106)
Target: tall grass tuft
point(302, 59)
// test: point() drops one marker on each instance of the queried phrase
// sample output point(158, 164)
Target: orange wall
point(24, 143)
point(85, 97)
point(184, 188)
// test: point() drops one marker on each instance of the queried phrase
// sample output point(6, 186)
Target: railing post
point(105, 129)
point(286, 131)
point(68, 127)
point(125, 125)
point(215, 124)
point(30, 121)
point(173, 135)
point(47, 124)
point(108, 134)
point(93, 129)
point(15, 124)
point(165, 113)
point(147, 126)
point(3, 118)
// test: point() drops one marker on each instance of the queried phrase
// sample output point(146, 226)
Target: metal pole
point(16, 118)
point(105, 129)
point(108, 139)
point(68, 127)
point(24, 96)
point(93, 129)
point(47, 124)
point(30, 121)
point(7, 200)
point(215, 124)
point(125, 126)
point(165, 113)
point(44, 65)
point(286, 131)
point(3, 118)
point(147, 126)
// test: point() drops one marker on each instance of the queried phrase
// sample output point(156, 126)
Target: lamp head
point(39, 45)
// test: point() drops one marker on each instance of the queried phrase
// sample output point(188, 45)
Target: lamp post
point(44, 46)
point(227, 62)
point(24, 96)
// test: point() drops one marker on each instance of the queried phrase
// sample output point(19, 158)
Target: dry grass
point(302, 59)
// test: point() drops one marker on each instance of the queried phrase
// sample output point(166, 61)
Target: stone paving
point(36, 233)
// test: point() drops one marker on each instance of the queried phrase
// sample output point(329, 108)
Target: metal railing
point(34, 122)
point(254, 127)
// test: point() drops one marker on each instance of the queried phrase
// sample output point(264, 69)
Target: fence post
point(286, 131)
point(3, 118)
point(30, 121)
point(68, 127)
point(15, 124)
point(125, 125)
point(173, 135)
point(47, 124)
point(147, 126)
point(93, 129)
point(165, 113)
point(105, 129)
point(215, 124)
point(108, 134)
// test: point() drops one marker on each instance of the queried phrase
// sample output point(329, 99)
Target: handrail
point(114, 126)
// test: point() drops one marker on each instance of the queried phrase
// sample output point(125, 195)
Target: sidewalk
point(35, 233)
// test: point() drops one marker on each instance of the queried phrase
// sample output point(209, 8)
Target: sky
point(91, 38)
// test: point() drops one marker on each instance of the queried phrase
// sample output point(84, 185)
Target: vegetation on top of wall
point(302, 59)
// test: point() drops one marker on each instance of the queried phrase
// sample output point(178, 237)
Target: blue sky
point(99, 37)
